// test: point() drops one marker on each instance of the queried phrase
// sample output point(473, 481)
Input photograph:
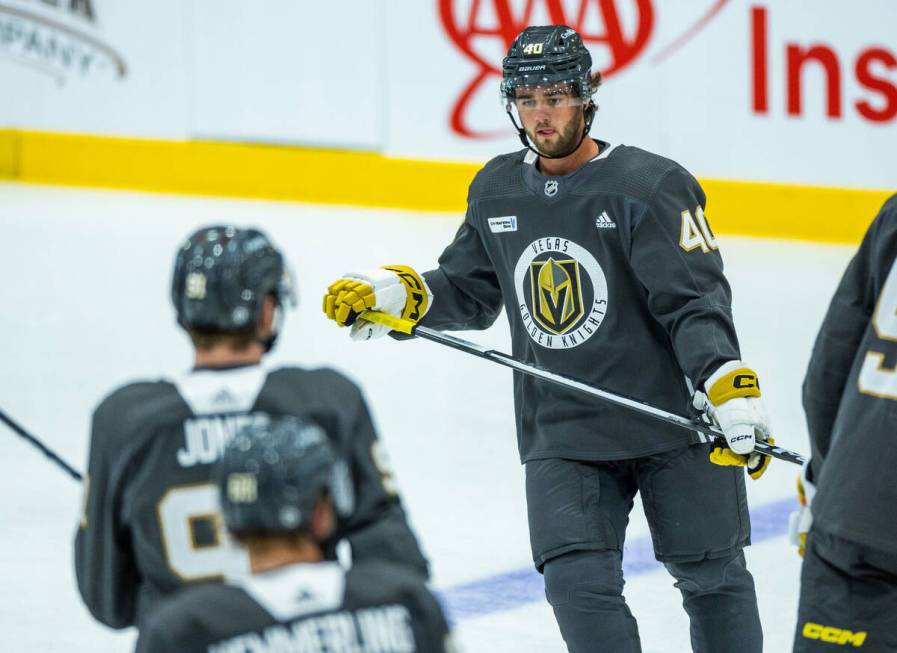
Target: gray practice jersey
point(312, 608)
point(850, 396)
point(609, 275)
point(151, 521)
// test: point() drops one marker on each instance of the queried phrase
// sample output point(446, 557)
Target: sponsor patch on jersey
point(561, 292)
point(502, 224)
point(604, 221)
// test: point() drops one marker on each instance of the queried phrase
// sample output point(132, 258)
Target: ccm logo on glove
point(732, 402)
point(418, 300)
point(746, 381)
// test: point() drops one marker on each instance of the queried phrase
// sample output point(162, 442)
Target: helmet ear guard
point(589, 111)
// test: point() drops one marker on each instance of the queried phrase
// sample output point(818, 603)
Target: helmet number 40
point(533, 48)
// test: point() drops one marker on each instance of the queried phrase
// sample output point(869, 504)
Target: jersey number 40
point(695, 232)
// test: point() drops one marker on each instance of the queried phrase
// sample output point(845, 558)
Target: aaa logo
point(617, 32)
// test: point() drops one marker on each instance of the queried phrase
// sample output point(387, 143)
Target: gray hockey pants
point(585, 589)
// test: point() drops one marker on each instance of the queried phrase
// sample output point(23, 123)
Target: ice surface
point(84, 297)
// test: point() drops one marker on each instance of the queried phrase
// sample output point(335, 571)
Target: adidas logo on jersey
point(305, 595)
point(224, 397)
point(603, 221)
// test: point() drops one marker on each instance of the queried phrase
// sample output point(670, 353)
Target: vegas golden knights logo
point(556, 294)
point(561, 293)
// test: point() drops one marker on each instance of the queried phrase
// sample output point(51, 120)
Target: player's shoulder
point(198, 613)
point(199, 598)
point(630, 158)
point(638, 173)
point(883, 232)
point(884, 225)
point(380, 581)
point(888, 212)
point(376, 583)
point(141, 390)
point(137, 401)
point(500, 176)
point(322, 378)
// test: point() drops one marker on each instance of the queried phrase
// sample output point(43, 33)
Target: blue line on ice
point(517, 588)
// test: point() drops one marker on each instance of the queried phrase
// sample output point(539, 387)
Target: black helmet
point(272, 474)
point(222, 275)
point(547, 54)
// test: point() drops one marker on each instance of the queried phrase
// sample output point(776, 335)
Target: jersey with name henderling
point(850, 396)
point(312, 608)
point(151, 522)
point(610, 275)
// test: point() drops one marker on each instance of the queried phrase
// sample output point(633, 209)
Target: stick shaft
point(49, 453)
point(408, 327)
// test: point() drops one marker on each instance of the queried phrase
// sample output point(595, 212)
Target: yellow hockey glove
point(732, 402)
point(800, 521)
point(754, 463)
point(395, 289)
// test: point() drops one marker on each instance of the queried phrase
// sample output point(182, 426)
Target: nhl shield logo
point(551, 188)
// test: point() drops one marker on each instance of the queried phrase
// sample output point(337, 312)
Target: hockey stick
point(49, 453)
point(410, 328)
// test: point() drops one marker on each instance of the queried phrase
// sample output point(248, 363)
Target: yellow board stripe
point(235, 169)
point(815, 213)
point(9, 154)
point(838, 215)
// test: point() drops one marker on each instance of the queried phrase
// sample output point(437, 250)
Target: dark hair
point(263, 539)
point(240, 340)
point(295, 536)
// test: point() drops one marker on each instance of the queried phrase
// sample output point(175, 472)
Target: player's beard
point(565, 141)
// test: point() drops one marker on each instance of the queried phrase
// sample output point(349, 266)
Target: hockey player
point(276, 481)
point(849, 579)
point(607, 269)
point(151, 523)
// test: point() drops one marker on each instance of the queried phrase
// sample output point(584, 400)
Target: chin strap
point(588, 116)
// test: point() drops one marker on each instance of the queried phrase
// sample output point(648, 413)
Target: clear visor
point(286, 290)
point(544, 97)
